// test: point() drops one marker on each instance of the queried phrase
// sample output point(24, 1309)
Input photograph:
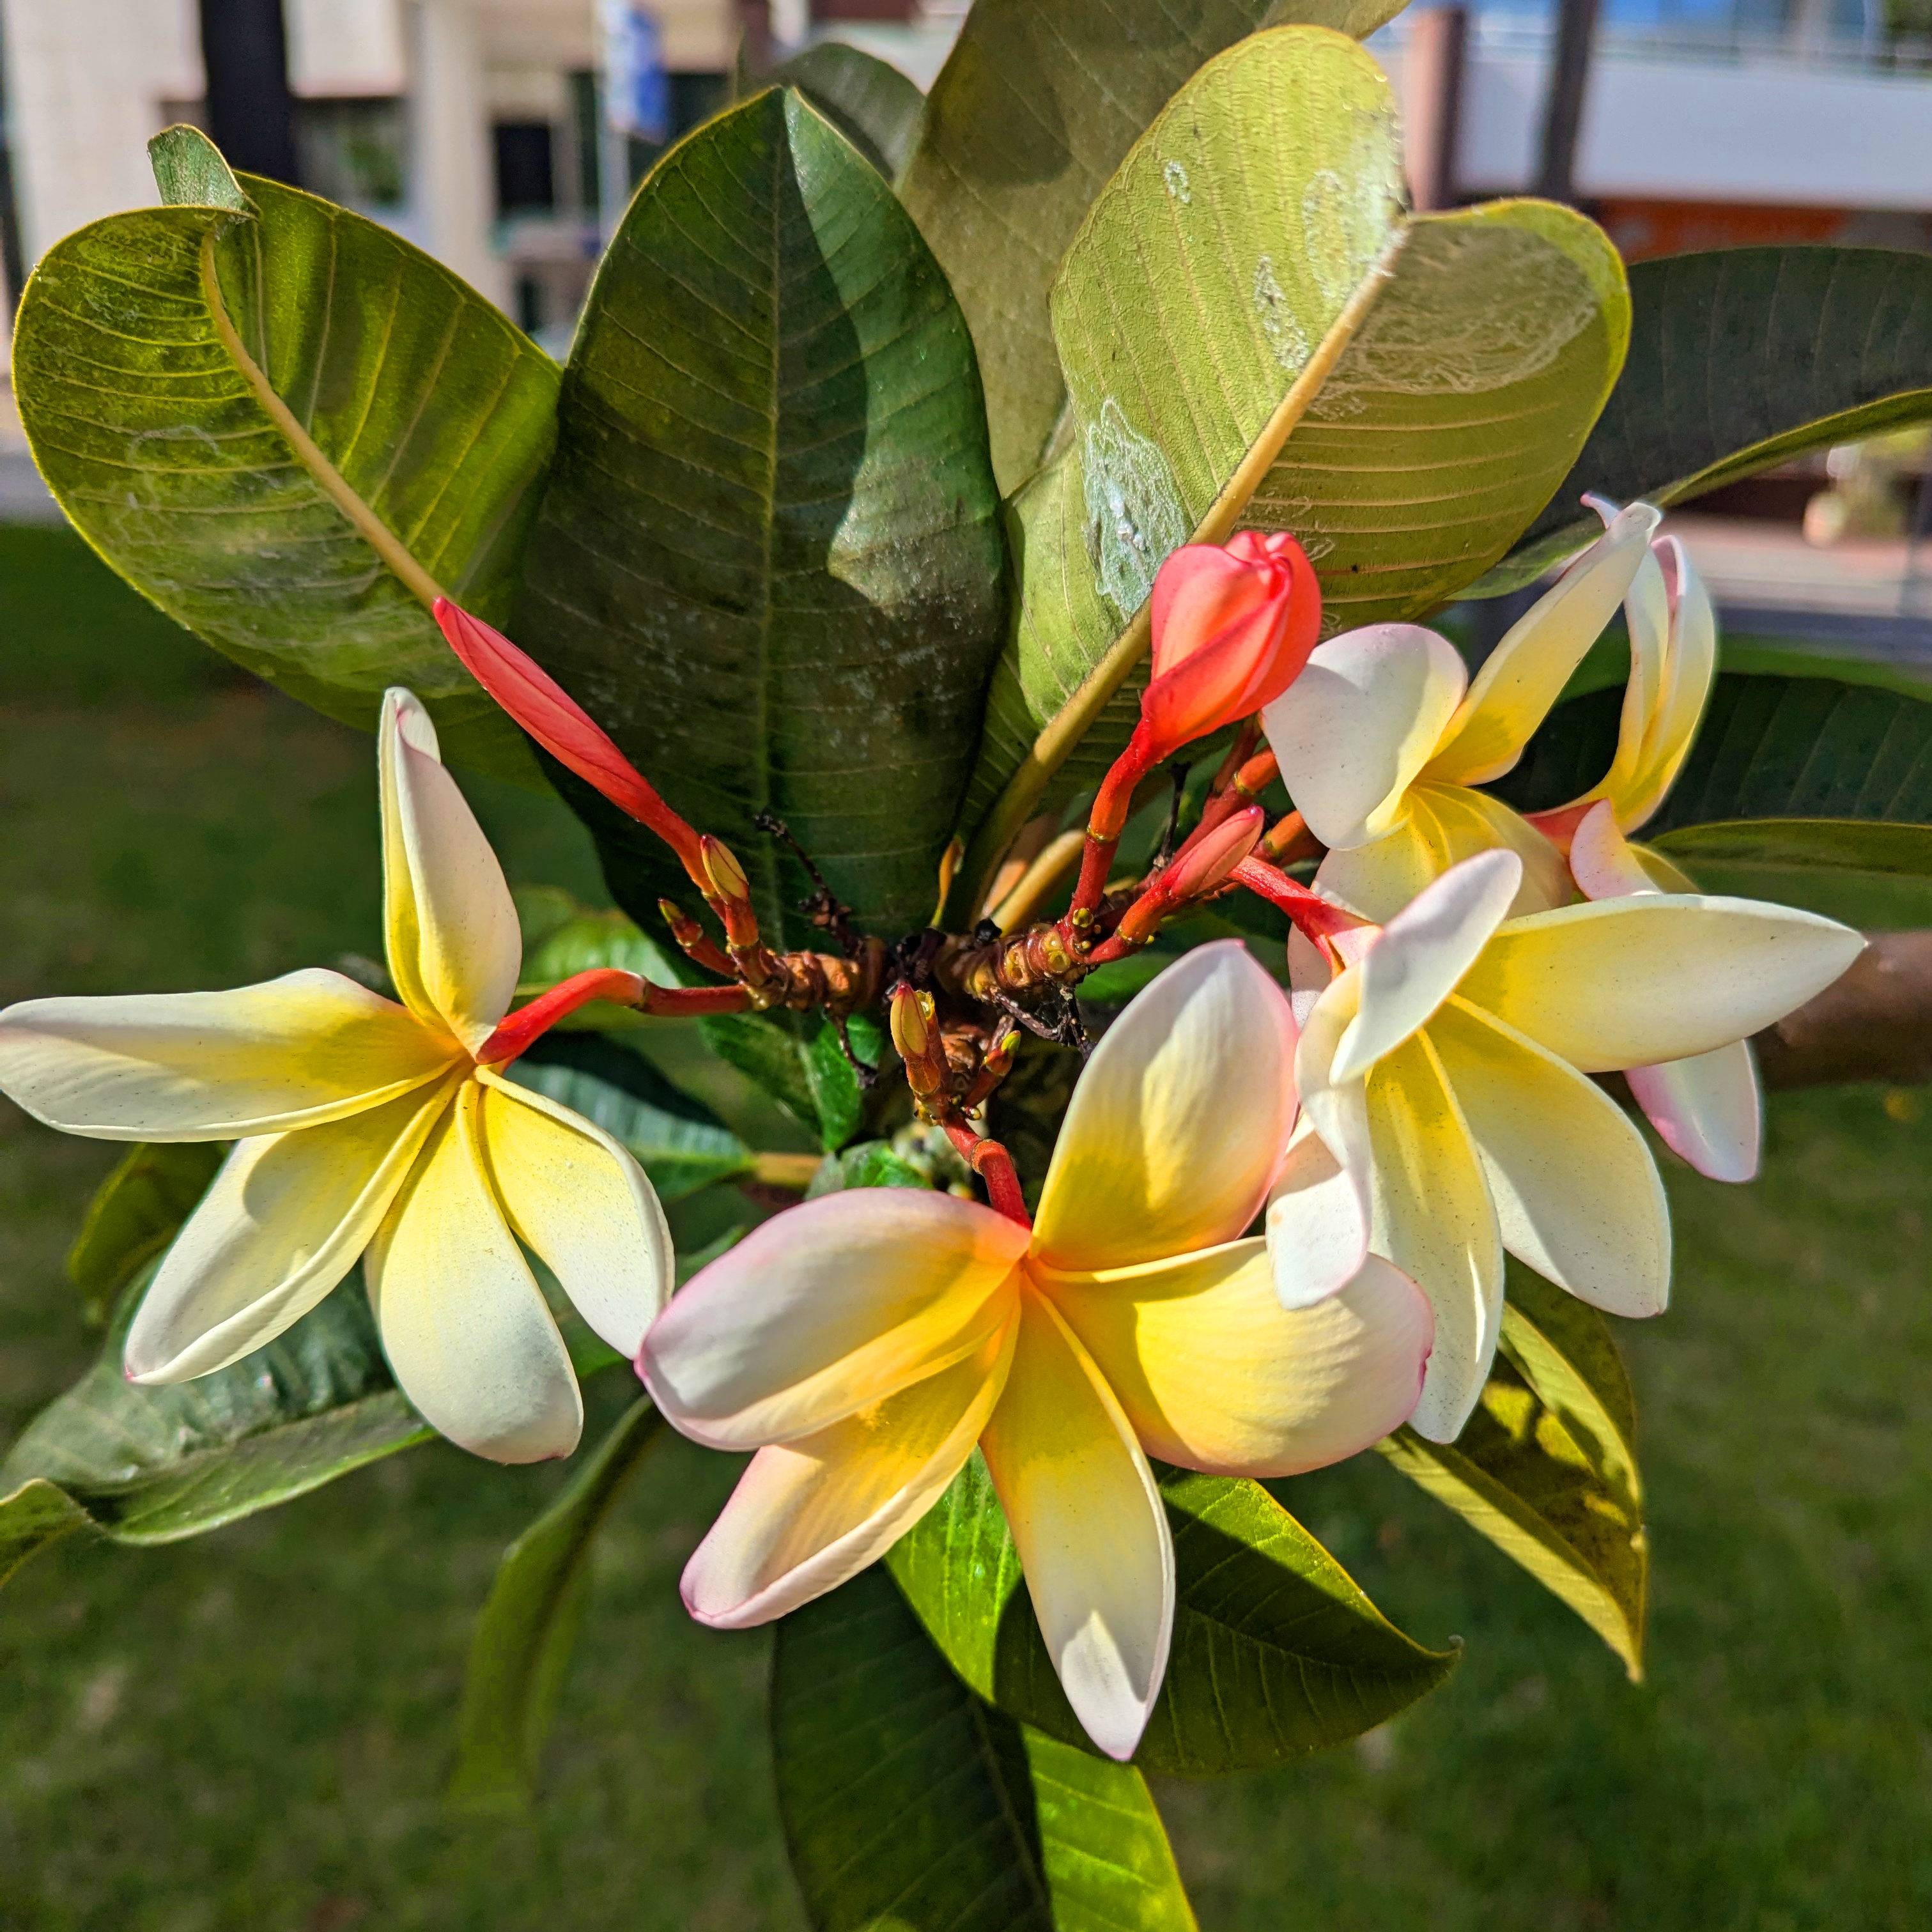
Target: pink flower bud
point(1199, 867)
point(1233, 625)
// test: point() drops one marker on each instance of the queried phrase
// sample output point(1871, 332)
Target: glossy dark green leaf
point(868, 99)
point(797, 1060)
point(522, 1643)
point(1769, 748)
point(1546, 1466)
point(769, 559)
point(910, 1806)
point(1030, 115)
point(1277, 1653)
point(1869, 873)
point(1739, 358)
point(135, 1213)
point(678, 1141)
point(156, 1465)
point(289, 428)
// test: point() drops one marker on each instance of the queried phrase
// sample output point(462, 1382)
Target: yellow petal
point(1435, 1220)
point(1576, 1192)
point(578, 1198)
point(465, 1327)
point(807, 1515)
point(1524, 676)
point(1214, 1374)
point(828, 1308)
point(1359, 722)
point(454, 947)
point(309, 1047)
point(1692, 666)
point(287, 1218)
point(1647, 618)
point(1180, 1119)
point(1418, 959)
point(1631, 982)
point(1091, 1532)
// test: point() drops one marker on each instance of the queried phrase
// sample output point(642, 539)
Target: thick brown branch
point(1874, 1024)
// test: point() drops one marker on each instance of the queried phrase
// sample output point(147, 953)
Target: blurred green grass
point(249, 1733)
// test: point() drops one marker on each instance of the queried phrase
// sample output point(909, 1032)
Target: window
point(525, 173)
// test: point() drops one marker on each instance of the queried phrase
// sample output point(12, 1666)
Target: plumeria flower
point(1448, 1114)
point(371, 1129)
point(1384, 736)
point(863, 1344)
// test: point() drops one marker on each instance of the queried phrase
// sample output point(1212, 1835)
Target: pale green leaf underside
point(522, 1642)
point(769, 559)
point(1203, 281)
point(1275, 1652)
point(1030, 115)
point(436, 413)
point(1546, 1467)
point(910, 1806)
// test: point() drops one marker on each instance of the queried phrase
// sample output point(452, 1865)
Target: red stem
point(993, 1165)
point(1317, 918)
point(519, 1030)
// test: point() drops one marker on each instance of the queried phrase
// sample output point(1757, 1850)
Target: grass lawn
point(249, 1733)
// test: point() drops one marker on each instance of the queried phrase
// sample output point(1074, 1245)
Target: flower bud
point(911, 1033)
point(726, 876)
point(1233, 625)
point(1199, 868)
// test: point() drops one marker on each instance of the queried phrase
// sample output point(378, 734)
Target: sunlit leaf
point(910, 1806)
point(1869, 873)
point(868, 99)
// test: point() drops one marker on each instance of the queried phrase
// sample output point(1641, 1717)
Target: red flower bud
point(1206, 862)
point(1232, 626)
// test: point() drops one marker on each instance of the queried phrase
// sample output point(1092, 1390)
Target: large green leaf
point(522, 1643)
point(1546, 1468)
point(910, 1806)
point(1769, 747)
point(1867, 872)
point(799, 1060)
point(289, 428)
point(1275, 1652)
point(868, 99)
point(678, 1141)
point(135, 1213)
point(1245, 241)
point(1030, 115)
point(155, 1464)
point(769, 558)
point(1739, 358)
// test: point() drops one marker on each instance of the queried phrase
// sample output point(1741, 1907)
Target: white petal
point(1603, 862)
point(828, 1308)
point(1435, 1219)
point(1179, 1121)
point(465, 1327)
point(1708, 1109)
point(292, 1052)
point(454, 945)
point(579, 1198)
point(808, 1515)
point(1525, 675)
point(1630, 982)
point(1318, 1213)
point(1089, 1524)
point(1422, 954)
point(285, 1219)
point(1576, 1193)
point(1361, 720)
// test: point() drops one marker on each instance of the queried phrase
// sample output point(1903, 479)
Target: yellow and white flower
point(1446, 1114)
point(863, 1343)
point(367, 1129)
point(1383, 738)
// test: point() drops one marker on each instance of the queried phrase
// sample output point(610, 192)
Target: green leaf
point(562, 937)
point(678, 1141)
point(1739, 358)
point(870, 1164)
point(769, 557)
point(868, 99)
point(289, 429)
point(156, 1465)
point(797, 1060)
point(1868, 873)
point(1545, 1467)
point(1234, 253)
point(1030, 115)
point(35, 1516)
point(136, 1212)
point(910, 1806)
point(523, 1635)
point(1277, 1653)
point(1769, 747)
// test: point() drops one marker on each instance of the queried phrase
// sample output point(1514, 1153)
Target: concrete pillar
point(449, 135)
